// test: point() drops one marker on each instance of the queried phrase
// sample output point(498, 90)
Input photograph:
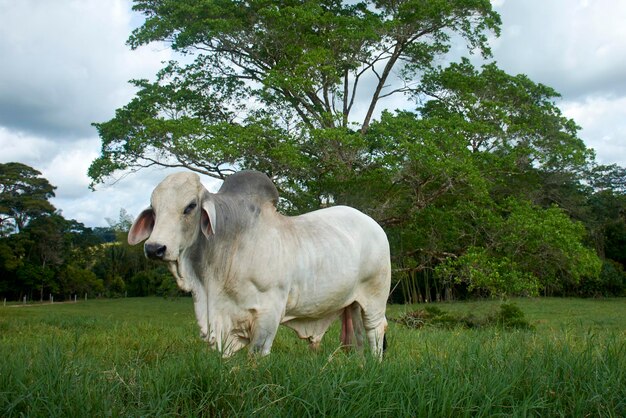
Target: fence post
point(85, 296)
point(24, 300)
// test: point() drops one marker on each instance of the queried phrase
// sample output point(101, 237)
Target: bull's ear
point(142, 227)
point(208, 218)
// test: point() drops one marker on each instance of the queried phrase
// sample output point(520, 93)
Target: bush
point(610, 282)
point(509, 316)
point(494, 275)
point(75, 280)
point(144, 283)
point(116, 287)
point(168, 288)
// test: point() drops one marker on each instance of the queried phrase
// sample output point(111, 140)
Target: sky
point(64, 64)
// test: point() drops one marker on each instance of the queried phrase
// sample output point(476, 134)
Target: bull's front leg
point(201, 309)
point(263, 332)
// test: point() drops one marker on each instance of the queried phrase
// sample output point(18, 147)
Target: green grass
point(143, 357)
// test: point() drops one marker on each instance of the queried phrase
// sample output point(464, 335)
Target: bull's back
point(338, 252)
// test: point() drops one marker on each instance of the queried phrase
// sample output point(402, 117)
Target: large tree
point(296, 89)
point(24, 195)
point(268, 74)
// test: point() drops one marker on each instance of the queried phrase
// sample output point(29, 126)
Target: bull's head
point(180, 208)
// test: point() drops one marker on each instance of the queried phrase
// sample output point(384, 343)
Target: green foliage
point(23, 196)
point(526, 249)
point(48, 254)
point(509, 316)
point(481, 271)
point(610, 282)
point(78, 281)
point(547, 243)
point(607, 222)
point(302, 64)
point(431, 316)
point(475, 185)
point(156, 281)
point(168, 288)
point(509, 116)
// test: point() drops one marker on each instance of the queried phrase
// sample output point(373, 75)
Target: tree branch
point(381, 83)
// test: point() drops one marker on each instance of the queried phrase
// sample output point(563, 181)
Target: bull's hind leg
point(375, 328)
point(373, 301)
point(375, 323)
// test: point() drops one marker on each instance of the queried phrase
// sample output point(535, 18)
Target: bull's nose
point(155, 251)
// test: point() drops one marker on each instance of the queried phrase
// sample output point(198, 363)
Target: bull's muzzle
point(154, 250)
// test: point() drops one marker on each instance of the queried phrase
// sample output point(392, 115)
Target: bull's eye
point(189, 208)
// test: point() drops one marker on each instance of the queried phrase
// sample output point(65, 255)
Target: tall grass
point(142, 357)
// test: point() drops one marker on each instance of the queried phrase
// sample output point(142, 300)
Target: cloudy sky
point(64, 64)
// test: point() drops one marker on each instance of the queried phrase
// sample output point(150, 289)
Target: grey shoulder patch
point(252, 183)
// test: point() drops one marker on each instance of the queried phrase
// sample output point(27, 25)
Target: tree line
point(513, 248)
point(42, 254)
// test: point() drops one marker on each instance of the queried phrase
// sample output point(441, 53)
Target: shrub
point(509, 316)
point(610, 282)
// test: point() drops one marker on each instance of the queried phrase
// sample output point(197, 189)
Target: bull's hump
point(252, 183)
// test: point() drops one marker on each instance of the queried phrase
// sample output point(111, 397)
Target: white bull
point(249, 268)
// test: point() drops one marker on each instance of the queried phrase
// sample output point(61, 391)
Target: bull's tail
point(347, 327)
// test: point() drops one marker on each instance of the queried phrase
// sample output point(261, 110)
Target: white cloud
point(579, 49)
point(603, 122)
point(68, 169)
point(25, 148)
point(93, 208)
point(65, 64)
point(575, 47)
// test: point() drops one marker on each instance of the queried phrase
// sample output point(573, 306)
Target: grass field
point(143, 357)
